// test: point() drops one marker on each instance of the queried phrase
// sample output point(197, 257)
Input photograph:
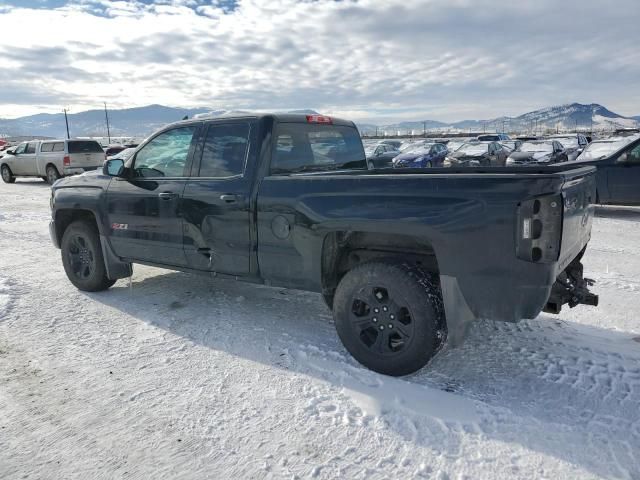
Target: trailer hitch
point(571, 288)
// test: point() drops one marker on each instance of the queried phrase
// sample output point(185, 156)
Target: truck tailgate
point(578, 195)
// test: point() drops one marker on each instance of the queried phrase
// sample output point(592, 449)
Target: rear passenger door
point(217, 197)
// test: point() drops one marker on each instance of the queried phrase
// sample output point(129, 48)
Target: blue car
point(424, 155)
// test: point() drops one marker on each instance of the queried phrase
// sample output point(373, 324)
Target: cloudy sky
point(363, 59)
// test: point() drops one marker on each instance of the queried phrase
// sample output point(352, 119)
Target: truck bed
point(469, 219)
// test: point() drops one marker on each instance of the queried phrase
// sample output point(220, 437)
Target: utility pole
point(106, 116)
point(424, 129)
point(66, 121)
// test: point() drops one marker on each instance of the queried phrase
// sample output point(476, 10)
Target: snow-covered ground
point(184, 377)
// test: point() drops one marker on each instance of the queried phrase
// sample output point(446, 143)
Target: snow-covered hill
point(562, 117)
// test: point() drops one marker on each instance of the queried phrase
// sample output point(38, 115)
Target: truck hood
point(92, 178)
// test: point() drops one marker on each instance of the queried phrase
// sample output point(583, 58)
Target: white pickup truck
point(51, 159)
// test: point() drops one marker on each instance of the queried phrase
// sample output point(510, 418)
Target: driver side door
point(143, 206)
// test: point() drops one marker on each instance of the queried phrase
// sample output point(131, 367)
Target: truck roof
point(278, 117)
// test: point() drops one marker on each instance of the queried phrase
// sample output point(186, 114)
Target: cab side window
point(166, 155)
point(58, 147)
point(21, 148)
point(31, 147)
point(46, 147)
point(225, 150)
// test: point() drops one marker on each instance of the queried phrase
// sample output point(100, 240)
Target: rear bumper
point(52, 233)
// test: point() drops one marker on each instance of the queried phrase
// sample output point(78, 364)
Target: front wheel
point(7, 175)
point(389, 316)
point(82, 257)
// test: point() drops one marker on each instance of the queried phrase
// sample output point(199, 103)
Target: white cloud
point(398, 59)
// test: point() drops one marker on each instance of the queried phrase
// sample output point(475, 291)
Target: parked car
point(538, 152)
point(618, 164)
point(453, 145)
point(485, 154)
point(512, 145)
point(573, 144)
point(394, 143)
point(124, 154)
point(51, 159)
point(493, 137)
point(425, 155)
point(380, 156)
point(113, 149)
point(394, 253)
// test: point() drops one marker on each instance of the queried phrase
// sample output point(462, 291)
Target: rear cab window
point(84, 146)
point(306, 147)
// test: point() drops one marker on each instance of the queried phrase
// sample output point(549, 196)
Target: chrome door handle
point(229, 198)
point(167, 195)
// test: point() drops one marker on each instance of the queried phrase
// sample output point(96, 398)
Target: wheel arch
point(66, 216)
point(343, 250)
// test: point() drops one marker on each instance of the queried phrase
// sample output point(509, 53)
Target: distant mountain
point(133, 122)
point(141, 121)
point(561, 117)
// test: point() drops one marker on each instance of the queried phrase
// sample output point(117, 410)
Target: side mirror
point(10, 151)
point(113, 167)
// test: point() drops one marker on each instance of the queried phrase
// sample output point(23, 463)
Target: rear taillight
point(319, 119)
point(539, 229)
point(66, 161)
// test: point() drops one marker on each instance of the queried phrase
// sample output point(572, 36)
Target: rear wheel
point(82, 257)
point(52, 174)
point(389, 316)
point(7, 176)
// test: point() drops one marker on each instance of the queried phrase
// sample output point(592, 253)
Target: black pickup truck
point(404, 258)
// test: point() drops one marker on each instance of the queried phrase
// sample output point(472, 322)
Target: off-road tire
point(82, 257)
point(410, 319)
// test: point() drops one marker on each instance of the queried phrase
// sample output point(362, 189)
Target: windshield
point(545, 147)
point(306, 147)
point(473, 148)
point(600, 149)
point(568, 142)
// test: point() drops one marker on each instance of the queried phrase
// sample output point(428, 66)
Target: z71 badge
point(119, 226)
